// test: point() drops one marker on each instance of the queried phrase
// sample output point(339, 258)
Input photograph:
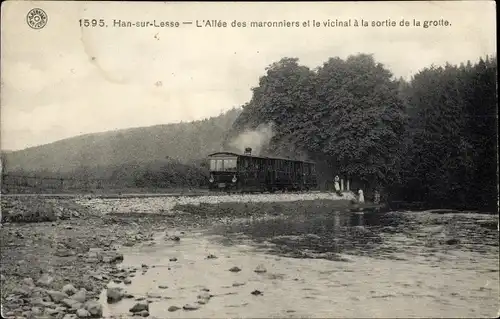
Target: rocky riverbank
point(57, 256)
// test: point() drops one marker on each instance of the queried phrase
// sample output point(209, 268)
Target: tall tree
point(361, 118)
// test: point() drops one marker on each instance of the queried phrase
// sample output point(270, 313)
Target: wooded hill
point(158, 156)
point(430, 139)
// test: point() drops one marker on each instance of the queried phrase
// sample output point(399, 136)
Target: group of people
point(361, 196)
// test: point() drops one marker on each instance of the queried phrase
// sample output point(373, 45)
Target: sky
point(65, 79)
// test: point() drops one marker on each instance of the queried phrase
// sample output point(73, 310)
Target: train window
point(216, 165)
point(213, 165)
point(229, 165)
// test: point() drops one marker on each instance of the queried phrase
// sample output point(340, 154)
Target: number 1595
point(92, 23)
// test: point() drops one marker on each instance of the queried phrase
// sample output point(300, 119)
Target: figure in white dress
point(337, 186)
point(361, 197)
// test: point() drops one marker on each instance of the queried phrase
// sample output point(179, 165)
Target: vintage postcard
point(249, 159)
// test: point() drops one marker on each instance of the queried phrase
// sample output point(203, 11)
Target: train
point(246, 173)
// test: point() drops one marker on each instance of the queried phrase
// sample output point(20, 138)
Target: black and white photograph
point(249, 159)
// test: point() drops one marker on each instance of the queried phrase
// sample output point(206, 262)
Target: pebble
point(162, 286)
point(127, 281)
point(256, 292)
point(237, 284)
point(173, 259)
point(190, 307)
point(452, 241)
point(260, 269)
point(235, 269)
point(140, 306)
point(173, 308)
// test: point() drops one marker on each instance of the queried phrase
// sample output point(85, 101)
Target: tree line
point(431, 138)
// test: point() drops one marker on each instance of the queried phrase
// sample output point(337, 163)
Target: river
point(341, 264)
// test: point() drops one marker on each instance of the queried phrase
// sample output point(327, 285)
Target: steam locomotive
point(231, 172)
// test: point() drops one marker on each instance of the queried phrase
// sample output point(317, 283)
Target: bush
point(30, 210)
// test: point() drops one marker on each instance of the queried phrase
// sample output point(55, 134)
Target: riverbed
point(340, 264)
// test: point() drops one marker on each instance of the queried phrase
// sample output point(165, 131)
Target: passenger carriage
point(233, 172)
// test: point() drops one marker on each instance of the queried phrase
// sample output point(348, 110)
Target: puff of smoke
point(257, 139)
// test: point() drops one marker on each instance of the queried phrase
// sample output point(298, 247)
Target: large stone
point(80, 296)
point(82, 313)
point(69, 289)
point(36, 311)
point(99, 254)
point(28, 282)
point(111, 256)
point(114, 294)
point(71, 303)
point(45, 280)
point(51, 312)
point(56, 296)
point(37, 301)
point(140, 306)
point(22, 292)
point(94, 308)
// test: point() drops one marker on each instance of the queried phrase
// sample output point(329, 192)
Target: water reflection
point(336, 232)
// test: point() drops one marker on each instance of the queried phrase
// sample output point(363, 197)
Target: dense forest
point(432, 138)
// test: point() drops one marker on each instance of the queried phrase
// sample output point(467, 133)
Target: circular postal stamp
point(36, 18)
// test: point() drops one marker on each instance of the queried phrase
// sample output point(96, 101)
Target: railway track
point(147, 195)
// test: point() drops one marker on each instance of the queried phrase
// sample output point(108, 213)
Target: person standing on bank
point(361, 197)
point(337, 186)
